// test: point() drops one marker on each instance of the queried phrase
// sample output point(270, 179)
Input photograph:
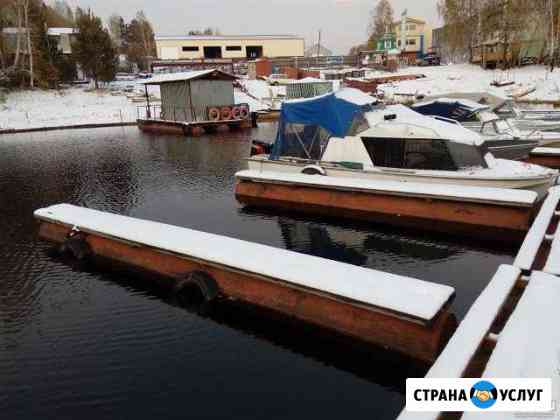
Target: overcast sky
point(343, 22)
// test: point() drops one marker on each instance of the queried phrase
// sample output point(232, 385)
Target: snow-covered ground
point(27, 109)
point(467, 78)
point(74, 106)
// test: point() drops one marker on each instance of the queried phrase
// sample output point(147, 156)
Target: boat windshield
point(305, 141)
point(425, 154)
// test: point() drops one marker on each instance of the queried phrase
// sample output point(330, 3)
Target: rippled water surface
point(91, 343)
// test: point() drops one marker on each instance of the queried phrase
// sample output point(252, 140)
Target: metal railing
point(188, 114)
point(167, 113)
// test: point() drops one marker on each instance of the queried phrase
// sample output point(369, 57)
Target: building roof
point(190, 75)
point(13, 30)
point(410, 19)
point(50, 31)
point(62, 31)
point(222, 37)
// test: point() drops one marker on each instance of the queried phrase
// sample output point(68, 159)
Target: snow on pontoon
point(343, 135)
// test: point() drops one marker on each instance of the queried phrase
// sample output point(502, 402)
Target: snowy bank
point(32, 109)
point(468, 78)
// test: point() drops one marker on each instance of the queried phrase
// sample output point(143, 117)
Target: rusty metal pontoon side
point(403, 314)
point(470, 211)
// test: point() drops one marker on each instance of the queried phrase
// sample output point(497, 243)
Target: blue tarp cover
point(459, 110)
point(329, 112)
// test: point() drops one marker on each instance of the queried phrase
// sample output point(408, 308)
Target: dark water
point(94, 344)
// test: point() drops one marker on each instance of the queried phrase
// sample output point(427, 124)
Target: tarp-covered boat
point(344, 135)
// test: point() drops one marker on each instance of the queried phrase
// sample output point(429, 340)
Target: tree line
point(30, 56)
point(509, 23)
point(470, 23)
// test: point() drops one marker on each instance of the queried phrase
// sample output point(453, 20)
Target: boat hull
point(511, 149)
point(538, 184)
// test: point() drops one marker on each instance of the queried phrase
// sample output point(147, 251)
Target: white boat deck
point(537, 234)
point(453, 192)
point(408, 296)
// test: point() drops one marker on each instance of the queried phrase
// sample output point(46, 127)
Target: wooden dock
point(189, 128)
point(545, 156)
point(510, 331)
point(403, 314)
point(471, 211)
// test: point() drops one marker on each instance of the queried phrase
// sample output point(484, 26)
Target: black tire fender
point(313, 170)
point(197, 283)
point(76, 245)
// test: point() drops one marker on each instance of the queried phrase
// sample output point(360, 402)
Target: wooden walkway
point(511, 330)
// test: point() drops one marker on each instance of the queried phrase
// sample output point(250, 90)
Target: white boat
point(494, 128)
point(541, 118)
point(400, 145)
point(469, 113)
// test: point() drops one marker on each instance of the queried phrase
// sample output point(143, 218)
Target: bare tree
point(19, 28)
point(381, 20)
point(29, 45)
point(461, 17)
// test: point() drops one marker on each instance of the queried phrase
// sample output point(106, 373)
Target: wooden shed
point(193, 96)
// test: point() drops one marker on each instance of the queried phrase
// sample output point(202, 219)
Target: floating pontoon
point(473, 211)
point(545, 156)
point(404, 314)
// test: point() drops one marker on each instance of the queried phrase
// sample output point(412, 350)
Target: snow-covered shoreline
point(76, 106)
point(39, 108)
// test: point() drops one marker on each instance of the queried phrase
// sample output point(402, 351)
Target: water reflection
point(91, 343)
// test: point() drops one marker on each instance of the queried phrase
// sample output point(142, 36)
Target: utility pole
point(319, 46)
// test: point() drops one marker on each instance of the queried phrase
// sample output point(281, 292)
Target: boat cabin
point(400, 138)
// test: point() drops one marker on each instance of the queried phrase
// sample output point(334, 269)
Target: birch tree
point(382, 17)
point(29, 44)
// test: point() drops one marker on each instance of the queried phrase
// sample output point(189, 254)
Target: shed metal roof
point(190, 75)
point(222, 37)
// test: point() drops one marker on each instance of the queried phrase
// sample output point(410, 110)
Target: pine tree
point(94, 49)
point(46, 53)
point(140, 40)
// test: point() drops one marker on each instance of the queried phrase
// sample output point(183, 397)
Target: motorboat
point(343, 135)
point(495, 129)
point(546, 119)
point(468, 113)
